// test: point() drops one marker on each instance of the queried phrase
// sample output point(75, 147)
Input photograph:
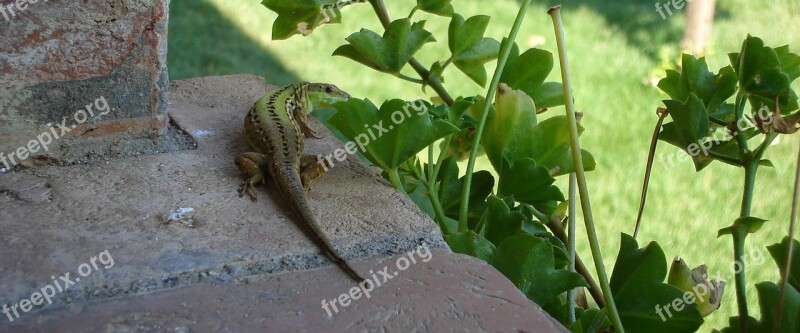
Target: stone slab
point(448, 293)
point(231, 264)
point(52, 219)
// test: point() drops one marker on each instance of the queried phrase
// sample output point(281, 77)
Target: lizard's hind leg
point(311, 168)
point(250, 165)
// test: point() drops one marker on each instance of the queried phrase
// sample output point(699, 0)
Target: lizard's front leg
point(311, 168)
point(250, 164)
point(302, 120)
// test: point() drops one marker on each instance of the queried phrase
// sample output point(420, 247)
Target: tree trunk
point(699, 20)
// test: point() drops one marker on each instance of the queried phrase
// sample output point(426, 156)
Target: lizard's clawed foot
point(315, 135)
point(250, 164)
point(249, 189)
point(311, 168)
point(310, 133)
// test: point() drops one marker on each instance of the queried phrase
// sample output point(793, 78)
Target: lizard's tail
point(301, 208)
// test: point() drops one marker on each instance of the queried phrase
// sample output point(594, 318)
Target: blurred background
point(618, 50)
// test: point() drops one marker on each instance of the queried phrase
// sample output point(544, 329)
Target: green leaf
point(472, 244)
point(451, 187)
point(790, 62)
point(724, 113)
point(788, 103)
point(548, 95)
point(499, 222)
point(419, 195)
point(459, 108)
point(512, 125)
point(637, 284)
point(301, 16)
point(389, 136)
point(759, 69)
point(527, 72)
point(768, 298)
point(690, 119)
point(460, 115)
point(550, 146)
point(695, 78)
point(527, 182)
point(674, 85)
point(438, 7)
point(723, 145)
point(528, 262)
point(508, 125)
point(778, 253)
point(389, 53)
point(747, 223)
point(471, 51)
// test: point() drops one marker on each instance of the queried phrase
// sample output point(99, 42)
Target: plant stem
point(662, 113)
point(410, 79)
point(501, 64)
point(741, 98)
point(739, 234)
point(437, 86)
point(394, 178)
point(442, 154)
point(411, 14)
point(750, 170)
point(383, 15)
point(430, 163)
point(571, 216)
point(724, 158)
point(611, 308)
point(433, 193)
point(594, 289)
point(437, 208)
point(789, 250)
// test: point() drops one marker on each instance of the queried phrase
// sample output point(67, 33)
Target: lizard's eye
point(329, 90)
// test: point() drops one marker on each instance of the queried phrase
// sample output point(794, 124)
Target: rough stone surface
point(448, 293)
point(190, 255)
point(57, 57)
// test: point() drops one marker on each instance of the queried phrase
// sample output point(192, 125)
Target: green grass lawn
point(612, 46)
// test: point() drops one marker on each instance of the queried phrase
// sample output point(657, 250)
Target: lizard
point(274, 129)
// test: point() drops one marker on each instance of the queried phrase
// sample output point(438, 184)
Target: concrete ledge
point(231, 264)
point(449, 293)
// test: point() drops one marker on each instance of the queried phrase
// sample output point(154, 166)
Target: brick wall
point(96, 66)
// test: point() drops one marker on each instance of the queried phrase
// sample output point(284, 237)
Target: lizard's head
point(323, 95)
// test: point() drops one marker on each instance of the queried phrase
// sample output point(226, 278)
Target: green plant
point(708, 127)
point(513, 220)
